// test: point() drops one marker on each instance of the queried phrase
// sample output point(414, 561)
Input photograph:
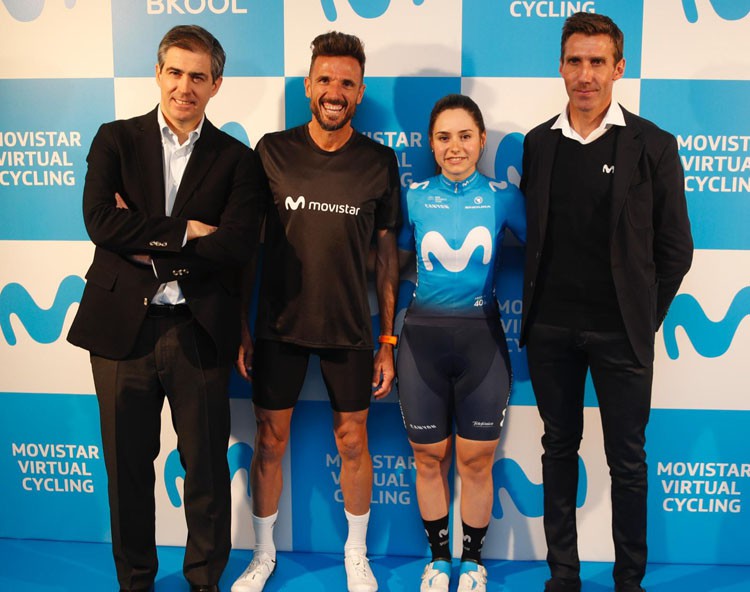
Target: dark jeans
point(558, 362)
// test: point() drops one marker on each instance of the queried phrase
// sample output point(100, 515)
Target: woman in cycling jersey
point(453, 363)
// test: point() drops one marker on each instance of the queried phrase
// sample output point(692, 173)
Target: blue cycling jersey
point(456, 231)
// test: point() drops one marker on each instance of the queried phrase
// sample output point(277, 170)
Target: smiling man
point(333, 192)
point(171, 204)
point(608, 244)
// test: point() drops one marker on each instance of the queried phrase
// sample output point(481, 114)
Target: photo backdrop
point(66, 66)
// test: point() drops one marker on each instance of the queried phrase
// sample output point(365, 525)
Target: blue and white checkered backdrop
point(68, 65)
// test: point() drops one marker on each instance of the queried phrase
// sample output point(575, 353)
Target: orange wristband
point(392, 339)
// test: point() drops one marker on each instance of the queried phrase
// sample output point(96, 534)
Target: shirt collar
point(168, 135)
point(456, 186)
point(613, 116)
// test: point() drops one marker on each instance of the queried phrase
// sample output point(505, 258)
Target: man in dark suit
point(608, 244)
point(171, 204)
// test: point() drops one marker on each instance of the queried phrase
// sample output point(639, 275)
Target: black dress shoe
point(203, 588)
point(562, 585)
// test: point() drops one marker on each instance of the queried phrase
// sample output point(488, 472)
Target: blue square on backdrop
point(522, 39)
point(715, 152)
point(699, 481)
point(54, 468)
point(250, 31)
point(43, 154)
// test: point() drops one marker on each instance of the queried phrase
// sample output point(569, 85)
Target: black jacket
point(221, 186)
point(651, 247)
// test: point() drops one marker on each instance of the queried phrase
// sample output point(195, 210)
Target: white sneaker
point(254, 578)
point(436, 576)
point(473, 577)
point(359, 577)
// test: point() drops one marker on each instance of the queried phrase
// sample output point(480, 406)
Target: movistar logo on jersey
point(29, 10)
point(526, 495)
point(456, 260)
point(365, 8)
point(239, 456)
point(43, 325)
point(300, 203)
point(729, 10)
point(710, 339)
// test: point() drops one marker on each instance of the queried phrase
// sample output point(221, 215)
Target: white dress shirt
point(176, 157)
point(613, 116)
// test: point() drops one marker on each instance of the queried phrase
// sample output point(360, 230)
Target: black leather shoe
point(562, 585)
point(203, 588)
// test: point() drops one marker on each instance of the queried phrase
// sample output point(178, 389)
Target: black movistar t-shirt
point(319, 227)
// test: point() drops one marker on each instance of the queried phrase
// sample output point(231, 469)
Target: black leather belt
point(159, 311)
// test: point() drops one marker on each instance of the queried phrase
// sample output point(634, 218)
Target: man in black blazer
point(608, 244)
point(171, 204)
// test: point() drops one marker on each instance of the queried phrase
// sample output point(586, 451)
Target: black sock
point(437, 536)
point(473, 541)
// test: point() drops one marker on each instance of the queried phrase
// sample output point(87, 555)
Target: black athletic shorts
point(280, 370)
point(453, 369)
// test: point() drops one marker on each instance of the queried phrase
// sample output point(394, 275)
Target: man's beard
point(331, 127)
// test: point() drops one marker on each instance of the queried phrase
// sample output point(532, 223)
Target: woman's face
point(457, 143)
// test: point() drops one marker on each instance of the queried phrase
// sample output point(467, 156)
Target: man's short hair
point(194, 38)
point(334, 43)
point(589, 23)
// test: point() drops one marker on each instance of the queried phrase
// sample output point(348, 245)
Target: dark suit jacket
point(651, 247)
point(220, 186)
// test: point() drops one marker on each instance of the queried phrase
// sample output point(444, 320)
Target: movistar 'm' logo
point(455, 260)
point(710, 339)
point(43, 325)
point(729, 10)
point(293, 204)
point(365, 8)
point(29, 10)
point(239, 456)
point(526, 495)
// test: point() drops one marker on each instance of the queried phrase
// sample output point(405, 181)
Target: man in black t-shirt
point(608, 244)
point(331, 190)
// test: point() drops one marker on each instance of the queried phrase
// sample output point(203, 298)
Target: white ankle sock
point(357, 539)
point(263, 528)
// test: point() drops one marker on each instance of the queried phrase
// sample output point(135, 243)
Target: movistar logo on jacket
point(300, 203)
point(456, 260)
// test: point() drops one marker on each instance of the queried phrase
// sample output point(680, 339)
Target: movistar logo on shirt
point(293, 204)
point(456, 260)
point(300, 203)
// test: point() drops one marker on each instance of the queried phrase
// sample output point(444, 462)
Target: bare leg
point(266, 478)
point(474, 462)
point(350, 430)
point(433, 462)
